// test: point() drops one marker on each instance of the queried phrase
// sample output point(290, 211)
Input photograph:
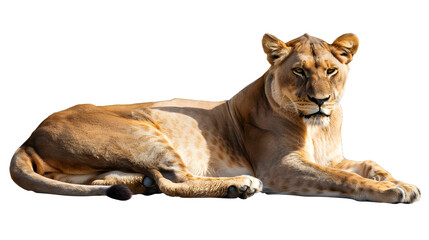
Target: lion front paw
point(408, 193)
point(393, 192)
point(246, 187)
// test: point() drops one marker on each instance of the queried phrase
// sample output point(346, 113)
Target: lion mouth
point(316, 114)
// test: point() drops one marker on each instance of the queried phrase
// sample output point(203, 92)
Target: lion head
point(307, 75)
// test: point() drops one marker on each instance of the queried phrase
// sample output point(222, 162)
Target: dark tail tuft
point(119, 192)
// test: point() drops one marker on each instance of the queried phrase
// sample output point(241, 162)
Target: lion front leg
point(371, 170)
point(301, 177)
point(366, 169)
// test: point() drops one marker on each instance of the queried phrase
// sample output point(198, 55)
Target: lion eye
point(331, 71)
point(298, 71)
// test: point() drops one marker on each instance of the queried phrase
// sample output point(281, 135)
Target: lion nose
point(319, 101)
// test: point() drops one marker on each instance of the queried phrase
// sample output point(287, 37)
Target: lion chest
point(320, 147)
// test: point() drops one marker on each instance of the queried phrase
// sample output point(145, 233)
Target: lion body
point(186, 125)
point(284, 130)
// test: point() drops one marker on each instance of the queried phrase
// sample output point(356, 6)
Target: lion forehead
point(321, 57)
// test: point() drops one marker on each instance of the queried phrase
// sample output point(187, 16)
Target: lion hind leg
point(172, 177)
point(165, 171)
point(196, 186)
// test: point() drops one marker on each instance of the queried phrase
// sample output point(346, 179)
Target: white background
point(55, 54)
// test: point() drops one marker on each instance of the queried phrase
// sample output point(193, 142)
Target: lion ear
point(345, 47)
point(275, 49)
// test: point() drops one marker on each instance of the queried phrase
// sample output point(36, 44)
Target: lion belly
point(202, 143)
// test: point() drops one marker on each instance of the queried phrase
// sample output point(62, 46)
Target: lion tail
point(23, 173)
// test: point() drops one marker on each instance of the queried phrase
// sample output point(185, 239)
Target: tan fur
point(284, 128)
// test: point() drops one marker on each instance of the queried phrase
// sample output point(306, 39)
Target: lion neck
point(254, 106)
point(255, 116)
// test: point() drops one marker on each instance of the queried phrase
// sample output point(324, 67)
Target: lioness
point(284, 129)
